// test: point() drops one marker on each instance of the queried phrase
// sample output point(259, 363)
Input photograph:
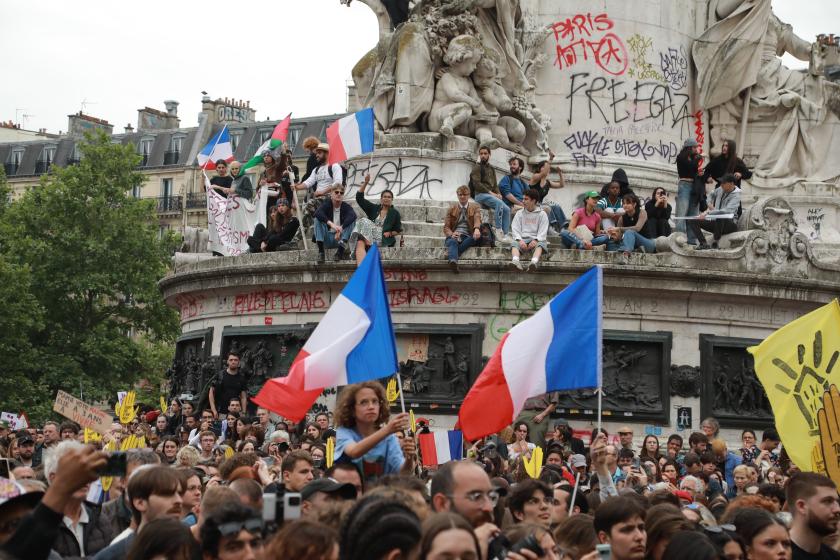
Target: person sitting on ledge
point(541, 182)
point(725, 200)
point(318, 185)
point(280, 233)
point(483, 182)
point(530, 231)
point(462, 226)
point(382, 224)
point(627, 234)
point(334, 222)
point(589, 218)
point(658, 215)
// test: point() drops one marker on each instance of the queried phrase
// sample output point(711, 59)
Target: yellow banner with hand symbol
point(797, 365)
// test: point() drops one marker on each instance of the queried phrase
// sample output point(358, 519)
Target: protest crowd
point(223, 479)
point(522, 214)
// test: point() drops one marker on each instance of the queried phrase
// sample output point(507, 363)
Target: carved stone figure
point(793, 116)
point(456, 99)
point(685, 381)
point(507, 131)
point(449, 368)
point(174, 375)
point(460, 379)
point(260, 366)
point(399, 79)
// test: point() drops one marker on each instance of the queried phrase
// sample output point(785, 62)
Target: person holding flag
point(366, 433)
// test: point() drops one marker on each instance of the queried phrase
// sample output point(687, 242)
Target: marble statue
point(401, 77)
point(793, 115)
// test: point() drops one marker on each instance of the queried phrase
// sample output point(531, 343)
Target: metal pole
point(300, 220)
point(574, 494)
point(600, 391)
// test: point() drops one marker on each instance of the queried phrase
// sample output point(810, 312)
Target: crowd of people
point(230, 481)
point(522, 213)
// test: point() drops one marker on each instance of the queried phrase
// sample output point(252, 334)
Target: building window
point(137, 191)
point(166, 188)
point(172, 155)
point(235, 137)
point(264, 135)
point(45, 160)
point(145, 150)
point(76, 157)
point(294, 137)
point(13, 163)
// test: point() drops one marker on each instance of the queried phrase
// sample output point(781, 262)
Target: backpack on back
point(343, 174)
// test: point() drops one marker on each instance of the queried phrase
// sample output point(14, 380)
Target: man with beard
point(512, 186)
point(26, 449)
point(813, 502)
point(154, 493)
point(463, 487)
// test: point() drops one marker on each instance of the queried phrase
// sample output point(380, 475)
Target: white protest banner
point(230, 221)
point(15, 421)
point(85, 415)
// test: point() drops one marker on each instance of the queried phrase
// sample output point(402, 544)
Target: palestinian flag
point(278, 138)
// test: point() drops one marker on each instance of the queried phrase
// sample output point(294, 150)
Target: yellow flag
point(392, 391)
point(228, 452)
point(107, 481)
point(330, 455)
point(91, 436)
point(126, 410)
point(412, 421)
point(162, 405)
point(797, 364)
point(533, 464)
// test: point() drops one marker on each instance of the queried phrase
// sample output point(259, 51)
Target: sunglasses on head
point(251, 525)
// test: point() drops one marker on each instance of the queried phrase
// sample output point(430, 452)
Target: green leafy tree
point(88, 257)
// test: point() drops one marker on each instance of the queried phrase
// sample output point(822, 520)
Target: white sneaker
point(508, 239)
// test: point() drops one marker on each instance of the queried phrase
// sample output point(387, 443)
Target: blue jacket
point(512, 185)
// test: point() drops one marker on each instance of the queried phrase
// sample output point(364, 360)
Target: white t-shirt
point(321, 180)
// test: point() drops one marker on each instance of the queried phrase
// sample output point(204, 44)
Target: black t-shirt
point(825, 553)
point(231, 387)
point(224, 182)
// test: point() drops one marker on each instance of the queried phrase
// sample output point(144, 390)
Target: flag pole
point(300, 219)
point(600, 335)
point(210, 155)
point(599, 409)
point(574, 493)
point(400, 390)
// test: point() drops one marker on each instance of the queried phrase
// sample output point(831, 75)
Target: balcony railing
point(10, 168)
point(169, 204)
point(42, 166)
point(171, 158)
point(196, 200)
point(73, 161)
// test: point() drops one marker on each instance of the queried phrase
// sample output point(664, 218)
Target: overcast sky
point(286, 55)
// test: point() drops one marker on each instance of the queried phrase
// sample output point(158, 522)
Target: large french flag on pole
point(557, 349)
point(353, 342)
point(351, 136)
point(219, 147)
point(438, 448)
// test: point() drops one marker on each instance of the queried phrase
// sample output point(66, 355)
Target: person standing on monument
point(690, 191)
point(231, 384)
point(535, 413)
point(486, 193)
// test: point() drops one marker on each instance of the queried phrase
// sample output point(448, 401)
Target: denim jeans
point(499, 207)
point(632, 240)
point(455, 249)
point(569, 240)
point(556, 216)
point(686, 208)
point(324, 234)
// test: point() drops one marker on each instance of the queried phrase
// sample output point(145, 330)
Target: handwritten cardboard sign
point(418, 347)
point(82, 413)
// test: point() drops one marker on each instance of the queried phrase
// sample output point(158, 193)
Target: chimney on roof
point(128, 128)
point(171, 107)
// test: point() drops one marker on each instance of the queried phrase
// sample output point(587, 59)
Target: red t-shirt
point(590, 221)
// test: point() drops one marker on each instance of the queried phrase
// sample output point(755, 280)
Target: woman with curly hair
point(365, 434)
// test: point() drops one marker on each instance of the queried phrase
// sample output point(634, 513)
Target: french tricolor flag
point(353, 342)
point(351, 136)
point(438, 448)
point(557, 349)
point(219, 147)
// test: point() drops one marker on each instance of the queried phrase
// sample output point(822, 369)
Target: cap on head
point(323, 146)
point(577, 461)
point(282, 202)
point(329, 486)
point(592, 194)
point(690, 143)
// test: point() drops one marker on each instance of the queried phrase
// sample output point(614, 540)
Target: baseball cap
point(577, 461)
point(329, 486)
point(282, 202)
point(13, 493)
point(690, 143)
point(592, 194)
point(23, 436)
